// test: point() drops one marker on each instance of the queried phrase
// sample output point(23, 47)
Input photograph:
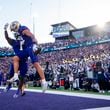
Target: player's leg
point(42, 76)
point(8, 87)
point(11, 74)
point(34, 59)
point(16, 68)
point(23, 70)
point(20, 88)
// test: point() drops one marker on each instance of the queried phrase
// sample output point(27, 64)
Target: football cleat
point(14, 78)
point(23, 94)
point(15, 95)
point(8, 88)
point(44, 86)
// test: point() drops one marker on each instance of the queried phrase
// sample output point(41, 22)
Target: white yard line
point(101, 108)
point(85, 95)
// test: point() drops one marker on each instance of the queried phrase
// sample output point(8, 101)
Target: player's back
point(27, 40)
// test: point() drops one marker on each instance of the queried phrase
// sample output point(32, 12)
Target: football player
point(21, 82)
point(27, 48)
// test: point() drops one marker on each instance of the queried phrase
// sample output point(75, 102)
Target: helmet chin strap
point(17, 36)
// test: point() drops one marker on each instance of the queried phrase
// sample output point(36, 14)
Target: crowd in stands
point(80, 63)
point(85, 68)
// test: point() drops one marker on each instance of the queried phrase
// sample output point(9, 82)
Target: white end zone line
point(85, 95)
point(101, 108)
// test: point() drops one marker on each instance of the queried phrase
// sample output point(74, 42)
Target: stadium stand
point(72, 59)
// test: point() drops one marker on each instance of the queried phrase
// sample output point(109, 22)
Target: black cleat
point(23, 94)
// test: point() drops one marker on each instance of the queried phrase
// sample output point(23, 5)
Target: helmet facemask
point(17, 36)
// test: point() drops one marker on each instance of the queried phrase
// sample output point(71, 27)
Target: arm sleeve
point(9, 40)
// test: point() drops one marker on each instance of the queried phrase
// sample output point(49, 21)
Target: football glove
point(6, 26)
point(36, 49)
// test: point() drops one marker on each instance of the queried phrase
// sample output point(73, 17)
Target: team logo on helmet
point(14, 26)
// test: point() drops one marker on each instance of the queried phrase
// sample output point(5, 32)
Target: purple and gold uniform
point(23, 68)
point(21, 53)
point(28, 48)
point(27, 45)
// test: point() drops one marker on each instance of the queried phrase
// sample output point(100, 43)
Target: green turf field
point(74, 91)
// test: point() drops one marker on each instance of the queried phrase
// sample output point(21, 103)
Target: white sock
point(16, 74)
point(43, 80)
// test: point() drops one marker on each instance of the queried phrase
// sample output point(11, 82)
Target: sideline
point(85, 95)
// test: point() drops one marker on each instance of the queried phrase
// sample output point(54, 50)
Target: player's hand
point(36, 49)
point(6, 26)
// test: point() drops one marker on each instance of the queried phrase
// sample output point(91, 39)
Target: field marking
point(85, 95)
point(101, 108)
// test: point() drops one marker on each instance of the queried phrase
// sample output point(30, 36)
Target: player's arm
point(28, 33)
point(9, 40)
point(36, 48)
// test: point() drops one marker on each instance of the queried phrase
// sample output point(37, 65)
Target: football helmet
point(14, 26)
